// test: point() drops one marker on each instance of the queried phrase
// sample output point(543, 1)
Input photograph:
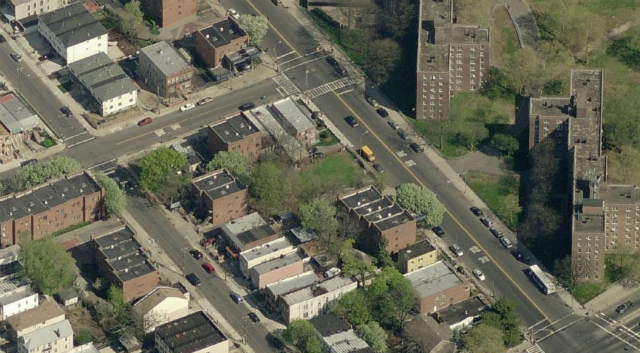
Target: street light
point(184, 254)
point(306, 77)
point(361, 136)
point(275, 53)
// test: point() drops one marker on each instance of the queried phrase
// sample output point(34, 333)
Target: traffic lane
point(44, 102)
point(164, 233)
point(593, 338)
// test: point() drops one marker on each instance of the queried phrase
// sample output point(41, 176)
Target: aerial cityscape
point(340, 176)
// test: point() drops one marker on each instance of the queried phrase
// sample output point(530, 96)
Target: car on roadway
point(193, 279)
point(254, 318)
point(456, 250)
point(196, 254)
point(145, 121)
point(517, 254)
point(624, 307)
point(187, 107)
point(374, 103)
point(236, 298)
point(496, 233)
point(476, 211)
point(246, 106)
point(486, 221)
point(29, 162)
point(2, 39)
point(204, 101)
point(208, 267)
point(351, 121)
point(478, 274)
point(15, 56)
point(66, 111)
point(439, 231)
point(416, 147)
point(233, 13)
point(332, 61)
point(382, 112)
point(403, 134)
point(378, 167)
point(394, 125)
point(506, 242)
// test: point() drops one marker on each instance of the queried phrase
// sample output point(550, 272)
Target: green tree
point(524, 70)
point(353, 307)
point(299, 333)
point(83, 337)
point(320, 215)
point(621, 128)
point(505, 143)
point(396, 17)
point(46, 263)
point(473, 134)
point(30, 176)
point(120, 308)
point(510, 205)
point(391, 296)
point(353, 264)
point(626, 164)
point(157, 165)
point(383, 55)
point(234, 162)
point(421, 200)
point(503, 316)
point(374, 335)
point(269, 192)
point(484, 339)
point(115, 200)
point(131, 20)
point(255, 26)
point(312, 345)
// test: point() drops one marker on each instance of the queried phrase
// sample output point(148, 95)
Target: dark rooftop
point(102, 77)
point(583, 223)
point(124, 254)
point(234, 129)
point(455, 313)
point(550, 106)
point(361, 197)
point(218, 184)
point(114, 238)
point(189, 334)
point(329, 324)
point(73, 24)
point(10, 269)
point(415, 250)
point(222, 32)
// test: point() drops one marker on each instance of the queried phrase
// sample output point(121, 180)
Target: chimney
point(221, 30)
point(57, 332)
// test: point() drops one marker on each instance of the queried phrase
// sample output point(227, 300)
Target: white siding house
point(56, 338)
point(22, 9)
point(263, 253)
point(16, 296)
point(162, 305)
point(73, 32)
point(315, 299)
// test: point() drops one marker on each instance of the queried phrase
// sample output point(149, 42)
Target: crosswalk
point(330, 87)
point(534, 349)
point(286, 85)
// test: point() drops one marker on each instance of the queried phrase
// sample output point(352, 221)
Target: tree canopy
point(234, 162)
point(30, 176)
point(115, 200)
point(421, 200)
point(505, 143)
point(159, 166)
point(46, 263)
point(269, 192)
point(391, 296)
point(256, 27)
point(300, 333)
point(131, 20)
point(353, 264)
point(383, 56)
point(319, 215)
point(503, 316)
point(374, 335)
point(484, 339)
point(353, 307)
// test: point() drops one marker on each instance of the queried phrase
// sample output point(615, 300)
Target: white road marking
point(159, 132)
point(410, 163)
point(329, 87)
point(474, 249)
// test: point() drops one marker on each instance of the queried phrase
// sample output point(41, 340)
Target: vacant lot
point(500, 194)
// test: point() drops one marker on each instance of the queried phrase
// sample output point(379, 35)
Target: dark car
point(495, 232)
point(624, 307)
point(145, 121)
point(254, 317)
point(416, 148)
point(247, 106)
point(29, 162)
point(236, 298)
point(517, 255)
point(332, 61)
point(2, 39)
point(403, 134)
point(339, 69)
point(486, 221)
point(439, 231)
point(378, 167)
point(15, 56)
point(196, 254)
point(382, 112)
point(476, 211)
point(351, 121)
point(193, 279)
point(66, 111)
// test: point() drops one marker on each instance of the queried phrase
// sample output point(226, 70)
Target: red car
point(145, 121)
point(208, 267)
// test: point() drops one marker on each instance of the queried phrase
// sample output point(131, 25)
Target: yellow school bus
point(367, 153)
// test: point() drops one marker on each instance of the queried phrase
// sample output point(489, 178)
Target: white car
point(187, 107)
point(479, 274)
point(456, 250)
point(233, 13)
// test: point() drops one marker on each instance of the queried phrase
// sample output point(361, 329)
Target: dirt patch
point(503, 36)
point(81, 320)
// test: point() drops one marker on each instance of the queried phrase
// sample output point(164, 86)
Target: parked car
point(2, 39)
point(479, 274)
point(403, 134)
point(374, 103)
point(351, 121)
point(66, 111)
point(517, 255)
point(394, 125)
point(17, 57)
point(506, 242)
point(332, 61)
point(624, 307)
point(486, 222)
point(416, 148)
point(187, 107)
point(456, 250)
point(339, 69)
point(205, 101)
point(476, 211)
point(193, 279)
point(208, 267)
point(255, 318)
point(378, 167)
point(496, 233)
point(145, 121)
point(233, 13)
point(439, 231)
point(382, 112)
point(29, 162)
point(236, 298)
point(247, 106)
point(196, 254)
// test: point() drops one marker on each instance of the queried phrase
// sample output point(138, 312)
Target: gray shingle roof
point(165, 57)
point(73, 24)
point(46, 335)
point(102, 77)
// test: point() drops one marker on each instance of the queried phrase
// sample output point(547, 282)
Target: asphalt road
point(155, 223)
point(45, 103)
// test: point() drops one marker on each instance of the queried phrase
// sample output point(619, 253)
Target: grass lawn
point(584, 292)
point(339, 167)
point(327, 138)
point(348, 39)
point(493, 190)
point(503, 36)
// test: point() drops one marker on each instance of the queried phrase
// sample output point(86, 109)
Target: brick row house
point(223, 196)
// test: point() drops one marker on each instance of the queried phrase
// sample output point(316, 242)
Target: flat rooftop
point(102, 77)
point(416, 250)
point(466, 34)
point(432, 279)
point(455, 313)
point(73, 24)
point(361, 197)
point(190, 334)
point(124, 254)
point(329, 325)
point(15, 116)
point(277, 263)
point(291, 111)
point(266, 249)
point(263, 117)
point(247, 229)
point(234, 129)
point(165, 58)
point(618, 194)
point(222, 33)
point(293, 283)
point(583, 223)
point(550, 107)
point(345, 342)
point(114, 237)
point(218, 184)
point(315, 290)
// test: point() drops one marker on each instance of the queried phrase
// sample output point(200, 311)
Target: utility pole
point(306, 77)
point(275, 53)
point(184, 254)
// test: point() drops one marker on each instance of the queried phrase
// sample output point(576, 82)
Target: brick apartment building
point(247, 232)
point(223, 37)
point(235, 133)
point(50, 207)
point(164, 70)
point(194, 333)
point(382, 218)
point(168, 12)
point(437, 287)
point(222, 195)
point(451, 58)
point(122, 261)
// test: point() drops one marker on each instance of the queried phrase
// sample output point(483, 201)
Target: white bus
point(541, 280)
